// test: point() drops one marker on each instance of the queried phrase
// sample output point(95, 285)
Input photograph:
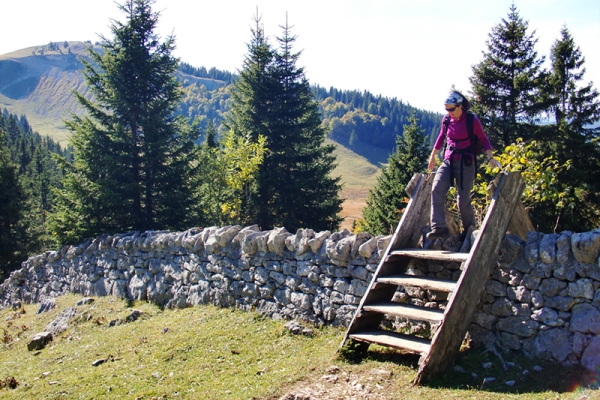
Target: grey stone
point(582, 288)
point(585, 319)
point(39, 341)
point(541, 270)
point(510, 341)
point(591, 355)
point(357, 272)
point(551, 287)
point(46, 305)
point(61, 322)
point(565, 272)
point(579, 342)
point(546, 316)
point(502, 307)
point(317, 241)
point(563, 247)
point(547, 248)
point(531, 282)
point(560, 303)
point(586, 246)
point(521, 326)
point(485, 320)
point(495, 288)
point(519, 293)
point(557, 342)
point(276, 240)
point(532, 247)
point(510, 248)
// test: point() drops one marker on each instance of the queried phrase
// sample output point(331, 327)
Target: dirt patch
point(338, 384)
point(355, 201)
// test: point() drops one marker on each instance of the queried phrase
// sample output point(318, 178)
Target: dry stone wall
point(543, 297)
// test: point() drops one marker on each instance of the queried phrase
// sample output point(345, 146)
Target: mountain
point(39, 81)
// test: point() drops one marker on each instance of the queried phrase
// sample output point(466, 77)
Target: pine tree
point(273, 98)
point(576, 105)
point(133, 167)
point(298, 171)
point(387, 199)
point(577, 112)
point(506, 83)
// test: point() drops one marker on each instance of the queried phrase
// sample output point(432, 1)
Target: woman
point(459, 164)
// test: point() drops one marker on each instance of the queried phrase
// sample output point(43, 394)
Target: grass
point(206, 352)
point(358, 176)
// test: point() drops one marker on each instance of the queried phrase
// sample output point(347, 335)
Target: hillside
point(39, 81)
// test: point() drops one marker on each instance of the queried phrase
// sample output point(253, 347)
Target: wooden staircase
point(450, 325)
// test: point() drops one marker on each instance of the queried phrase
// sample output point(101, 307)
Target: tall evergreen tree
point(506, 83)
point(273, 98)
point(575, 104)
point(387, 199)
point(134, 159)
point(577, 112)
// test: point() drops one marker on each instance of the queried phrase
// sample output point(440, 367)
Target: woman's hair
point(466, 105)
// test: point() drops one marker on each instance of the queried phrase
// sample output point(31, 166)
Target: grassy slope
point(358, 176)
point(205, 352)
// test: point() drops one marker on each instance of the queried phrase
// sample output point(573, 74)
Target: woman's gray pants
point(441, 185)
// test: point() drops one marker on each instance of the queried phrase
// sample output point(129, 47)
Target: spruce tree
point(273, 98)
point(577, 112)
point(575, 104)
point(133, 167)
point(506, 83)
point(250, 110)
point(387, 199)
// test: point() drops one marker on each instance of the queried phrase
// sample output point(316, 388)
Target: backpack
point(475, 147)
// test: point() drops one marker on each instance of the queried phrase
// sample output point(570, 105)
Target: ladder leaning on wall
point(440, 352)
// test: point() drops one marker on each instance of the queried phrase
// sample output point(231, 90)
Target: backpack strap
point(445, 123)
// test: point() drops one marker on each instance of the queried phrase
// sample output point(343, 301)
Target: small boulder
point(39, 341)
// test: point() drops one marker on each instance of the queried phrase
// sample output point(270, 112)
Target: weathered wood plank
point(407, 235)
point(442, 285)
point(397, 340)
point(407, 311)
point(439, 255)
point(451, 332)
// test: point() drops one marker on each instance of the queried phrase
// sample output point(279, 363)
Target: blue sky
point(411, 50)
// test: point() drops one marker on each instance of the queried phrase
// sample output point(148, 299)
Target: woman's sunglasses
point(451, 109)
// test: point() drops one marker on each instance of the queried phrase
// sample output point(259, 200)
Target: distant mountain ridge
point(38, 82)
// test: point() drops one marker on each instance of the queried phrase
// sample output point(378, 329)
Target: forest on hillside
point(352, 118)
point(28, 176)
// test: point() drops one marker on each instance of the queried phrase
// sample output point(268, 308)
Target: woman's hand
point(431, 164)
point(495, 163)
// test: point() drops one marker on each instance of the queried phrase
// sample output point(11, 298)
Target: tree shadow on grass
point(485, 370)
point(513, 373)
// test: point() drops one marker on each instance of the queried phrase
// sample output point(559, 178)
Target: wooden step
point(442, 285)
point(439, 255)
point(411, 344)
point(406, 311)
